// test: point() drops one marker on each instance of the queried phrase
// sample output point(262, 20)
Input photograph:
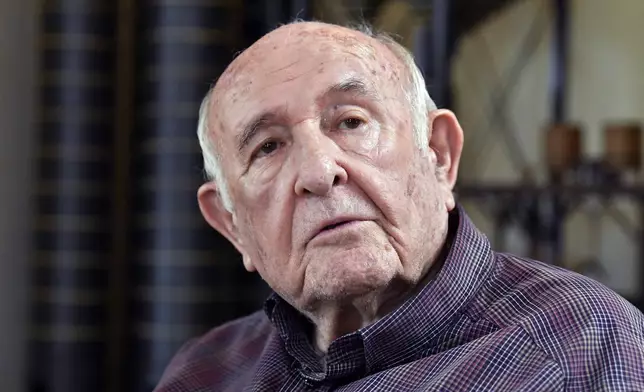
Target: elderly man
point(332, 174)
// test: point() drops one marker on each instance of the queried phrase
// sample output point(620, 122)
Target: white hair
point(415, 91)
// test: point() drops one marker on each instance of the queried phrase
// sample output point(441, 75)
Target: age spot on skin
point(411, 185)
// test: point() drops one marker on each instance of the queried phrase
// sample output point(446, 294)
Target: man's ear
point(222, 220)
point(446, 140)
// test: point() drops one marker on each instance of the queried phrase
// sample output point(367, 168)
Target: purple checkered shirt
point(487, 322)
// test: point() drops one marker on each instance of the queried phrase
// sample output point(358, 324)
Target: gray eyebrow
point(252, 128)
point(352, 85)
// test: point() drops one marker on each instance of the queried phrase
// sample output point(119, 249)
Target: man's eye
point(351, 123)
point(267, 148)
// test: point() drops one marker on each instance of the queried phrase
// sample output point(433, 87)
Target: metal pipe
point(559, 64)
point(441, 42)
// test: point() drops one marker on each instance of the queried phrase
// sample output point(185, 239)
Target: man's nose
point(319, 170)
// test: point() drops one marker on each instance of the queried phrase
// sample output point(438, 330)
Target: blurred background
point(106, 266)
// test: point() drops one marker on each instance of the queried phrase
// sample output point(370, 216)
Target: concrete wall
point(17, 66)
point(606, 83)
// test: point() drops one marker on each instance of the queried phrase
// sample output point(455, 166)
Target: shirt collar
point(415, 325)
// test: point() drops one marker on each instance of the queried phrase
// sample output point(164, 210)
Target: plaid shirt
point(488, 322)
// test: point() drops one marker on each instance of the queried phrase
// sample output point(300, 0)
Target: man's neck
point(333, 322)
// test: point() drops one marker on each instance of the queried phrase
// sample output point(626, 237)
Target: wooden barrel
point(622, 143)
point(563, 147)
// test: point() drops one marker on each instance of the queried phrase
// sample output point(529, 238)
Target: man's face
point(332, 197)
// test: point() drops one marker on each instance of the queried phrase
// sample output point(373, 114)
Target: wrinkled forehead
point(297, 62)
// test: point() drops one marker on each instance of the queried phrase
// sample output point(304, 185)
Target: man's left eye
point(351, 123)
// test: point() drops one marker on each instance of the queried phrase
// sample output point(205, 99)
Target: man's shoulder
point(563, 310)
point(230, 348)
point(540, 289)
point(593, 334)
point(243, 335)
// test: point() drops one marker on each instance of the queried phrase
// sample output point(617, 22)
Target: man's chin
point(343, 285)
point(350, 273)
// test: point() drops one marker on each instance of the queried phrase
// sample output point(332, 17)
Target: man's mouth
point(334, 225)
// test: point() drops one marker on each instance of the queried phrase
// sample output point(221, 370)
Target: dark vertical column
point(72, 228)
point(551, 236)
point(559, 72)
point(441, 32)
point(185, 275)
point(119, 283)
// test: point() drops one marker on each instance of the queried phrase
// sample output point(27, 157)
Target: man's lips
point(334, 225)
point(330, 225)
